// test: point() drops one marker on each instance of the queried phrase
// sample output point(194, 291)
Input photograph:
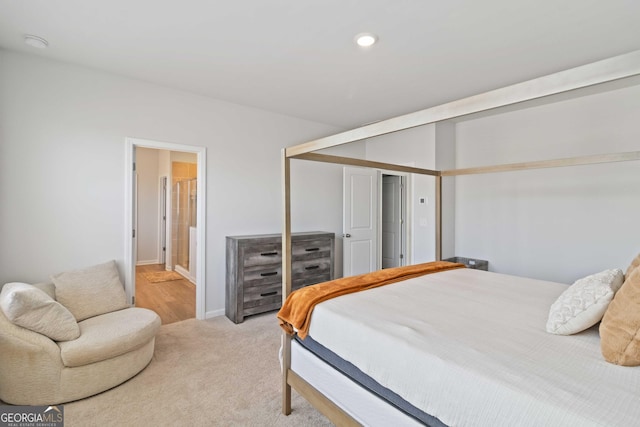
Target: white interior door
point(360, 220)
point(391, 221)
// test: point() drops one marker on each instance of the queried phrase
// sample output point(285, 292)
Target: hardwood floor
point(174, 300)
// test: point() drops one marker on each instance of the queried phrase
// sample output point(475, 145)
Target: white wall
point(555, 224)
point(62, 131)
point(413, 147)
point(328, 177)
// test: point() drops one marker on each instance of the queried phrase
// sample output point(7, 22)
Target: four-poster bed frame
point(605, 74)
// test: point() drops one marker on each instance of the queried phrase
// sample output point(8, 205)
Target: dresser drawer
point(311, 267)
point(262, 304)
point(309, 280)
point(270, 293)
point(261, 254)
point(310, 249)
point(262, 275)
point(263, 307)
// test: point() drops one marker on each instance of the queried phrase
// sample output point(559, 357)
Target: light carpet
point(203, 373)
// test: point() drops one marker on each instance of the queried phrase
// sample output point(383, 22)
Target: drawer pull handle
point(271, 273)
point(312, 249)
point(269, 253)
point(312, 267)
point(268, 294)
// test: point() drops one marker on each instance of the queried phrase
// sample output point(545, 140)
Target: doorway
point(393, 221)
point(197, 214)
point(375, 232)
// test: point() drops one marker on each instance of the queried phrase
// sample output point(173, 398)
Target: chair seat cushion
point(110, 335)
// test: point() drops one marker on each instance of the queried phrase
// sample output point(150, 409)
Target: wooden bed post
point(286, 276)
point(438, 218)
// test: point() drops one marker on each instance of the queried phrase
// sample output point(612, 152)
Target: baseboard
point(214, 313)
point(148, 262)
point(185, 273)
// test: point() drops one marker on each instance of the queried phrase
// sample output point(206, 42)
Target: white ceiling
point(297, 57)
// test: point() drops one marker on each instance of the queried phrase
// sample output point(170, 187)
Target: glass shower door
point(186, 219)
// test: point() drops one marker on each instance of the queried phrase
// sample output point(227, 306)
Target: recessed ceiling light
point(35, 41)
point(366, 39)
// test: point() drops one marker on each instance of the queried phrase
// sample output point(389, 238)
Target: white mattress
point(470, 348)
point(363, 406)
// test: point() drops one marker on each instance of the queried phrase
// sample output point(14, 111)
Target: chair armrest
point(13, 337)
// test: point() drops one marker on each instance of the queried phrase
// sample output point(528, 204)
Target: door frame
point(162, 219)
point(406, 206)
point(129, 225)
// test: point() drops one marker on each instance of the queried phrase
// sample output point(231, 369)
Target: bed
point(462, 346)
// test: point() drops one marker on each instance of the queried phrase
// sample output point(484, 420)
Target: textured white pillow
point(29, 307)
point(583, 304)
point(91, 291)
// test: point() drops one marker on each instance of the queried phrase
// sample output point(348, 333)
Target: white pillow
point(31, 308)
point(91, 291)
point(583, 304)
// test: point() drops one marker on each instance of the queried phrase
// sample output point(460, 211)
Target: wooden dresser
point(254, 269)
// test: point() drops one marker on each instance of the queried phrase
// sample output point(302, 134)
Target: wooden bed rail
point(507, 167)
point(329, 409)
point(350, 161)
point(542, 164)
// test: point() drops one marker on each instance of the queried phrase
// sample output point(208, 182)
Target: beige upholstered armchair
point(72, 338)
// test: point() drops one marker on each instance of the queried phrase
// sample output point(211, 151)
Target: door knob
point(347, 235)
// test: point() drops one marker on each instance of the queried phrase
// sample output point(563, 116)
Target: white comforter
point(470, 348)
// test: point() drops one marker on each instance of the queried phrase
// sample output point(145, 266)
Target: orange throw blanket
point(295, 313)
